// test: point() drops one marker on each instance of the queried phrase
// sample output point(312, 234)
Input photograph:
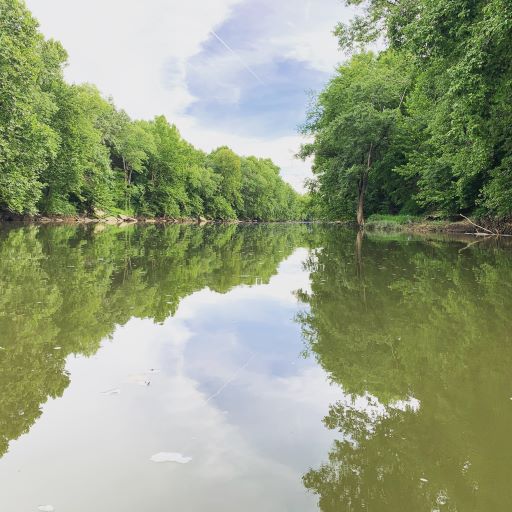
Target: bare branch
point(480, 227)
point(402, 98)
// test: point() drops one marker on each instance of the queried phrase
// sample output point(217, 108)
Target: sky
point(226, 72)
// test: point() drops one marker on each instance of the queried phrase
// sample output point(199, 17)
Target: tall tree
point(354, 124)
point(135, 145)
point(66, 150)
point(79, 177)
point(228, 165)
point(26, 140)
point(462, 55)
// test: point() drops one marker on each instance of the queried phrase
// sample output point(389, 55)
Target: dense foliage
point(428, 120)
point(66, 150)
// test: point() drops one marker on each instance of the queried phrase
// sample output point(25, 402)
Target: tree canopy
point(452, 146)
point(66, 150)
point(357, 126)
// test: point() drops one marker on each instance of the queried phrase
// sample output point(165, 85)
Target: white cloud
point(138, 52)
point(123, 46)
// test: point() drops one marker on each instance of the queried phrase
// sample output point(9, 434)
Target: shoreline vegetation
point(375, 223)
point(415, 224)
point(415, 138)
point(423, 127)
point(66, 151)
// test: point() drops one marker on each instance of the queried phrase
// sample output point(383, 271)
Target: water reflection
point(419, 333)
point(65, 289)
point(410, 356)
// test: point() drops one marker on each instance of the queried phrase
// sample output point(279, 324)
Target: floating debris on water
point(170, 457)
point(424, 480)
point(442, 498)
point(141, 380)
point(115, 391)
point(57, 348)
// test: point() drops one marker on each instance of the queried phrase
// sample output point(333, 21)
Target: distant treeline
point(424, 126)
point(66, 150)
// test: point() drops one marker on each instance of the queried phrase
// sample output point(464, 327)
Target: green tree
point(27, 142)
point(79, 177)
point(135, 145)
point(354, 124)
point(462, 53)
point(66, 150)
point(228, 165)
point(165, 193)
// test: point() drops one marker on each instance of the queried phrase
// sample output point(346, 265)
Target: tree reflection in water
point(428, 324)
point(65, 289)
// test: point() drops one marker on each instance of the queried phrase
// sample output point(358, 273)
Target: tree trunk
point(126, 184)
point(129, 190)
point(125, 170)
point(362, 186)
point(360, 206)
point(363, 182)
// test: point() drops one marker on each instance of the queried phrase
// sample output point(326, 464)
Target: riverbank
point(408, 224)
point(108, 219)
point(375, 223)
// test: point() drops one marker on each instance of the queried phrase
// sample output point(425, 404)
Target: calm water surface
point(290, 367)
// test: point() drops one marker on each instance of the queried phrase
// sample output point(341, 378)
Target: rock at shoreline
point(127, 218)
point(99, 214)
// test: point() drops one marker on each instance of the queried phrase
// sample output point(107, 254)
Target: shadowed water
point(270, 367)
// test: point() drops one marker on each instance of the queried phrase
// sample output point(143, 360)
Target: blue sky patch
point(228, 95)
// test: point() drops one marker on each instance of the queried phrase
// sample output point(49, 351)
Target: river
point(281, 367)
